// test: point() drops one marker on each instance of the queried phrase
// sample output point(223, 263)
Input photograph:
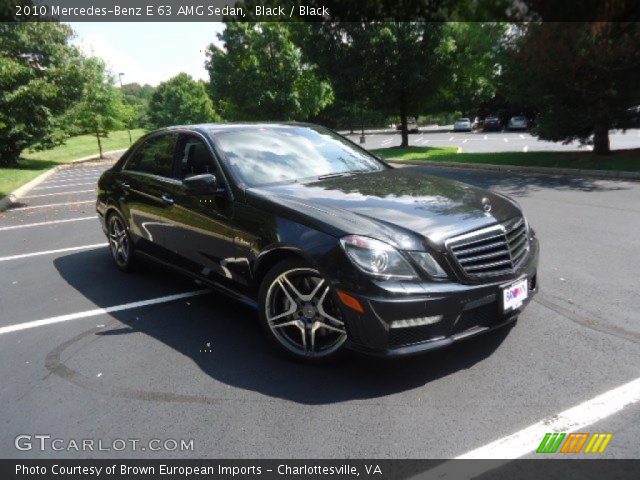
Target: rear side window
point(155, 156)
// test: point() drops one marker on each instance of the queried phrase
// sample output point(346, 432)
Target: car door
point(144, 181)
point(203, 236)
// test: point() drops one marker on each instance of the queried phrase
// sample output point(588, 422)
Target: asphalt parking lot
point(89, 352)
point(476, 142)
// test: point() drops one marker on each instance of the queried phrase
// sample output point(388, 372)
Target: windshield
point(272, 154)
point(463, 120)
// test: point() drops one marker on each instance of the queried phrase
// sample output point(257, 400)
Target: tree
point(100, 108)
point(181, 100)
point(582, 78)
point(335, 48)
point(395, 67)
point(40, 77)
point(137, 97)
point(407, 67)
point(475, 52)
point(260, 75)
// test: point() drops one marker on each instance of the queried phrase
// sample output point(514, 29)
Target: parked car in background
point(412, 125)
point(477, 124)
point(492, 124)
point(333, 246)
point(518, 123)
point(462, 125)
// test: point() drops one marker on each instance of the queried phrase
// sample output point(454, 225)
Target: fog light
point(415, 322)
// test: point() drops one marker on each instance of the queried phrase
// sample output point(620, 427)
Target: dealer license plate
point(514, 294)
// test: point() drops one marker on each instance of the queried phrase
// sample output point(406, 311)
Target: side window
point(194, 158)
point(155, 156)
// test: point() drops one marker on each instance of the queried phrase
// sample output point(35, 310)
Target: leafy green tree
point(260, 75)
point(137, 97)
point(337, 50)
point(100, 108)
point(181, 100)
point(582, 78)
point(396, 68)
point(475, 53)
point(40, 77)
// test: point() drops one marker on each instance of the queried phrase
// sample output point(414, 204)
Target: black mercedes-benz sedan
point(335, 248)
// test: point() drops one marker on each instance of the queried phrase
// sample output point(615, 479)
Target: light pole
point(128, 130)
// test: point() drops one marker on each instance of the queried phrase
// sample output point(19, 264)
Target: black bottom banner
point(584, 469)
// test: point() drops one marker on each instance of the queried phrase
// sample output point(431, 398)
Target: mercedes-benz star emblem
point(486, 205)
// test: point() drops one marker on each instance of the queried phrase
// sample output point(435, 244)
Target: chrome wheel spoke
point(119, 241)
point(286, 292)
point(312, 334)
point(323, 313)
point(290, 311)
point(302, 297)
point(330, 327)
point(294, 303)
point(124, 250)
point(296, 323)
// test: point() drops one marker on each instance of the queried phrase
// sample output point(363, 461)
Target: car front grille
point(493, 251)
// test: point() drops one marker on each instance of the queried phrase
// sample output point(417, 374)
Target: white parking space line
point(451, 138)
point(521, 136)
point(506, 140)
point(75, 178)
point(571, 420)
point(527, 440)
point(62, 186)
point(39, 224)
point(51, 205)
point(79, 179)
point(60, 193)
point(465, 140)
point(71, 173)
point(525, 148)
point(99, 311)
point(82, 172)
point(48, 252)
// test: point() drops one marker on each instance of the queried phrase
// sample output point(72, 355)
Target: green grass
point(85, 145)
point(414, 153)
point(618, 160)
point(33, 163)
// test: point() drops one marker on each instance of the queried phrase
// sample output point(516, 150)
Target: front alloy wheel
point(299, 312)
point(120, 242)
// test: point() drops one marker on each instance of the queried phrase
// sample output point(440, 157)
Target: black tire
point(309, 330)
point(120, 244)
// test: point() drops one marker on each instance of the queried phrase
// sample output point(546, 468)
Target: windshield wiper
point(333, 175)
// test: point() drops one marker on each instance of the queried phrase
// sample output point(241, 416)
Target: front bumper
point(466, 310)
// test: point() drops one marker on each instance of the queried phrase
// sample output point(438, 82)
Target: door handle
point(167, 199)
point(125, 185)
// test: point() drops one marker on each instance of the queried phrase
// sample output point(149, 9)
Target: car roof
point(226, 127)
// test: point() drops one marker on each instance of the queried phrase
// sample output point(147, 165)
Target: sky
point(149, 52)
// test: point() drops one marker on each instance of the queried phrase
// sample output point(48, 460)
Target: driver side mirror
point(205, 184)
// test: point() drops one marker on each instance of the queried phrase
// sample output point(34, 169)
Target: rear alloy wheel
point(298, 312)
point(120, 242)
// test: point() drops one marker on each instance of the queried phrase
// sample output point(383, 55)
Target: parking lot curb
point(575, 172)
point(13, 197)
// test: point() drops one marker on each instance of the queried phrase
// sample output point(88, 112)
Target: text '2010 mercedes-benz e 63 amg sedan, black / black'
point(335, 248)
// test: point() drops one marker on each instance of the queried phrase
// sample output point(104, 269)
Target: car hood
point(394, 204)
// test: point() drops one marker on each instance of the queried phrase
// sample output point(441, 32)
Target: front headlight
point(428, 264)
point(376, 258)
